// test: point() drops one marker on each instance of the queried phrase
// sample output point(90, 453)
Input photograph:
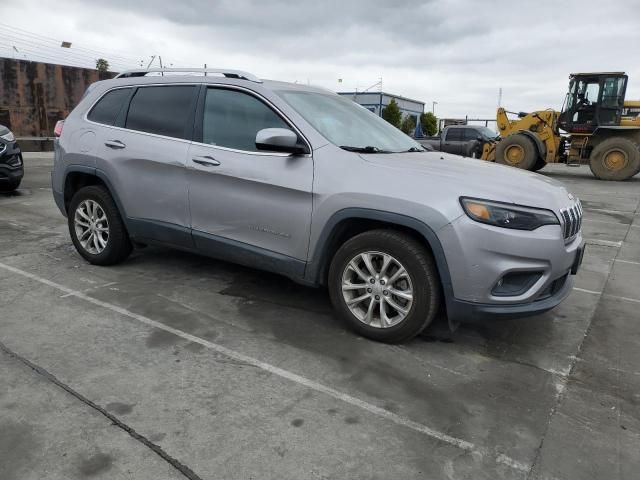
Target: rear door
point(454, 140)
point(144, 157)
point(243, 198)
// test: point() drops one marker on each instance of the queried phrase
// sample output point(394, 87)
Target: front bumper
point(460, 311)
point(479, 256)
point(11, 164)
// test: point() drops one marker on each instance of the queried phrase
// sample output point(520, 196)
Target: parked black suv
point(11, 165)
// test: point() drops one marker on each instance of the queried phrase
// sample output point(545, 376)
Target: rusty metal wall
point(34, 95)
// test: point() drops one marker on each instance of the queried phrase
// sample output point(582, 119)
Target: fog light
point(515, 283)
point(16, 161)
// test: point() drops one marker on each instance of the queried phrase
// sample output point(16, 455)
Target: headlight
point(8, 136)
point(507, 215)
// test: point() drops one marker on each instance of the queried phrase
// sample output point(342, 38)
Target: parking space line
point(587, 291)
point(590, 220)
point(608, 295)
point(293, 377)
point(626, 261)
point(603, 243)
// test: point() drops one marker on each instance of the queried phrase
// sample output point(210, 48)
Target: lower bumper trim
point(460, 311)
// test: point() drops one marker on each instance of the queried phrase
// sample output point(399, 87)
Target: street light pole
point(433, 107)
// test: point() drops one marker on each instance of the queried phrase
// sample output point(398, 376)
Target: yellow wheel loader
point(601, 129)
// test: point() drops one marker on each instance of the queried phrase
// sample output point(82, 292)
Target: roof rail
point(226, 72)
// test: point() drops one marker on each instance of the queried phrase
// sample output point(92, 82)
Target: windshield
point(347, 124)
point(487, 132)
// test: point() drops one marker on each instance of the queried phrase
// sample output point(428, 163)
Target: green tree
point(429, 124)
point(392, 114)
point(408, 125)
point(102, 65)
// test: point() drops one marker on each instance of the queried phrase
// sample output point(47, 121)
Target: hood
point(476, 178)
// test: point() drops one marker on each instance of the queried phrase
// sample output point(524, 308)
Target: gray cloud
point(455, 52)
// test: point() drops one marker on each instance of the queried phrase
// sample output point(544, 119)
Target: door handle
point(206, 161)
point(114, 144)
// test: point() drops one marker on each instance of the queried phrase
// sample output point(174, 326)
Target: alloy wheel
point(91, 226)
point(377, 289)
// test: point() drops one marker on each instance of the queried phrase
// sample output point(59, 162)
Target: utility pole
point(153, 57)
point(499, 97)
point(160, 58)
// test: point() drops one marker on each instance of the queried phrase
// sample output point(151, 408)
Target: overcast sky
point(455, 52)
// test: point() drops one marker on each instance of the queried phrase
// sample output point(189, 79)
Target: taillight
point(57, 131)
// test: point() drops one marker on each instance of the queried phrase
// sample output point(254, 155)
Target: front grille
point(571, 219)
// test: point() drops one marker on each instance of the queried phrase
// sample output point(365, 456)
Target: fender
point(317, 266)
point(96, 172)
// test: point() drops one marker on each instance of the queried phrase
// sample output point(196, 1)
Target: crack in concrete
point(182, 468)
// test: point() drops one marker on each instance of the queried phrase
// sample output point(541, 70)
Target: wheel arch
point(349, 222)
point(78, 176)
point(604, 133)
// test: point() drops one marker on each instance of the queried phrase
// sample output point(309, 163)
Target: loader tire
point(517, 151)
point(540, 164)
point(617, 158)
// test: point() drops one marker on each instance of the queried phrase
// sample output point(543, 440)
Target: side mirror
point(279, 140)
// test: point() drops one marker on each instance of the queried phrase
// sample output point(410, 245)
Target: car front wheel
point(384, 285)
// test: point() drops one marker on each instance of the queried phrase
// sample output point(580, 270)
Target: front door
point(250, 206)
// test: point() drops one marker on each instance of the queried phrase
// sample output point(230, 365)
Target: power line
point(57, 52)
point(20, 31)
point(53, 53)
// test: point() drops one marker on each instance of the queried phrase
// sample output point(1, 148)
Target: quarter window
point(163, 110)
point(233, 118)
point(108, 107)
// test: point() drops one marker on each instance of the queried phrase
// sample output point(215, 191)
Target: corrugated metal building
point(376, 101)
point(35, 95)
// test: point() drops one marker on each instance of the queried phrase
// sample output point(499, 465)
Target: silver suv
point(300, 181)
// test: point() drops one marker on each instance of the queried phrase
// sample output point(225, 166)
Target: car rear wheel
point(384, 285)
point(96, 228)
point(517, 151)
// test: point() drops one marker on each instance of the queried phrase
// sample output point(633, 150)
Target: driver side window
point(233, 118)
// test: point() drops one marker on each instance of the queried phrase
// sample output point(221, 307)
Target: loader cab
point(593, 100)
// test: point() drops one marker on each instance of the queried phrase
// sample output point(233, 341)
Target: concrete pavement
point(177, 366)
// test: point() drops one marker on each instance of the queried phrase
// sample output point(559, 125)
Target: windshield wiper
point(368, 149)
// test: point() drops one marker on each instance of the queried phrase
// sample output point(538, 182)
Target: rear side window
point(454, 135)
point(233, 118)
point(471, 134)
point(162, 110)
point(108, 107)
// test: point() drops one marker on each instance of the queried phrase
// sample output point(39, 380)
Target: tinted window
point(232, 119)
point(107, 109)
point(454, 135)
point(471, 134)
point(161, 110)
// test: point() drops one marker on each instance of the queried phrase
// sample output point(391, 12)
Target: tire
point(9, 186)
point(540, 164)
point(117, 245)
point(616, 158)
point(517, 151)
point(421, 280)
